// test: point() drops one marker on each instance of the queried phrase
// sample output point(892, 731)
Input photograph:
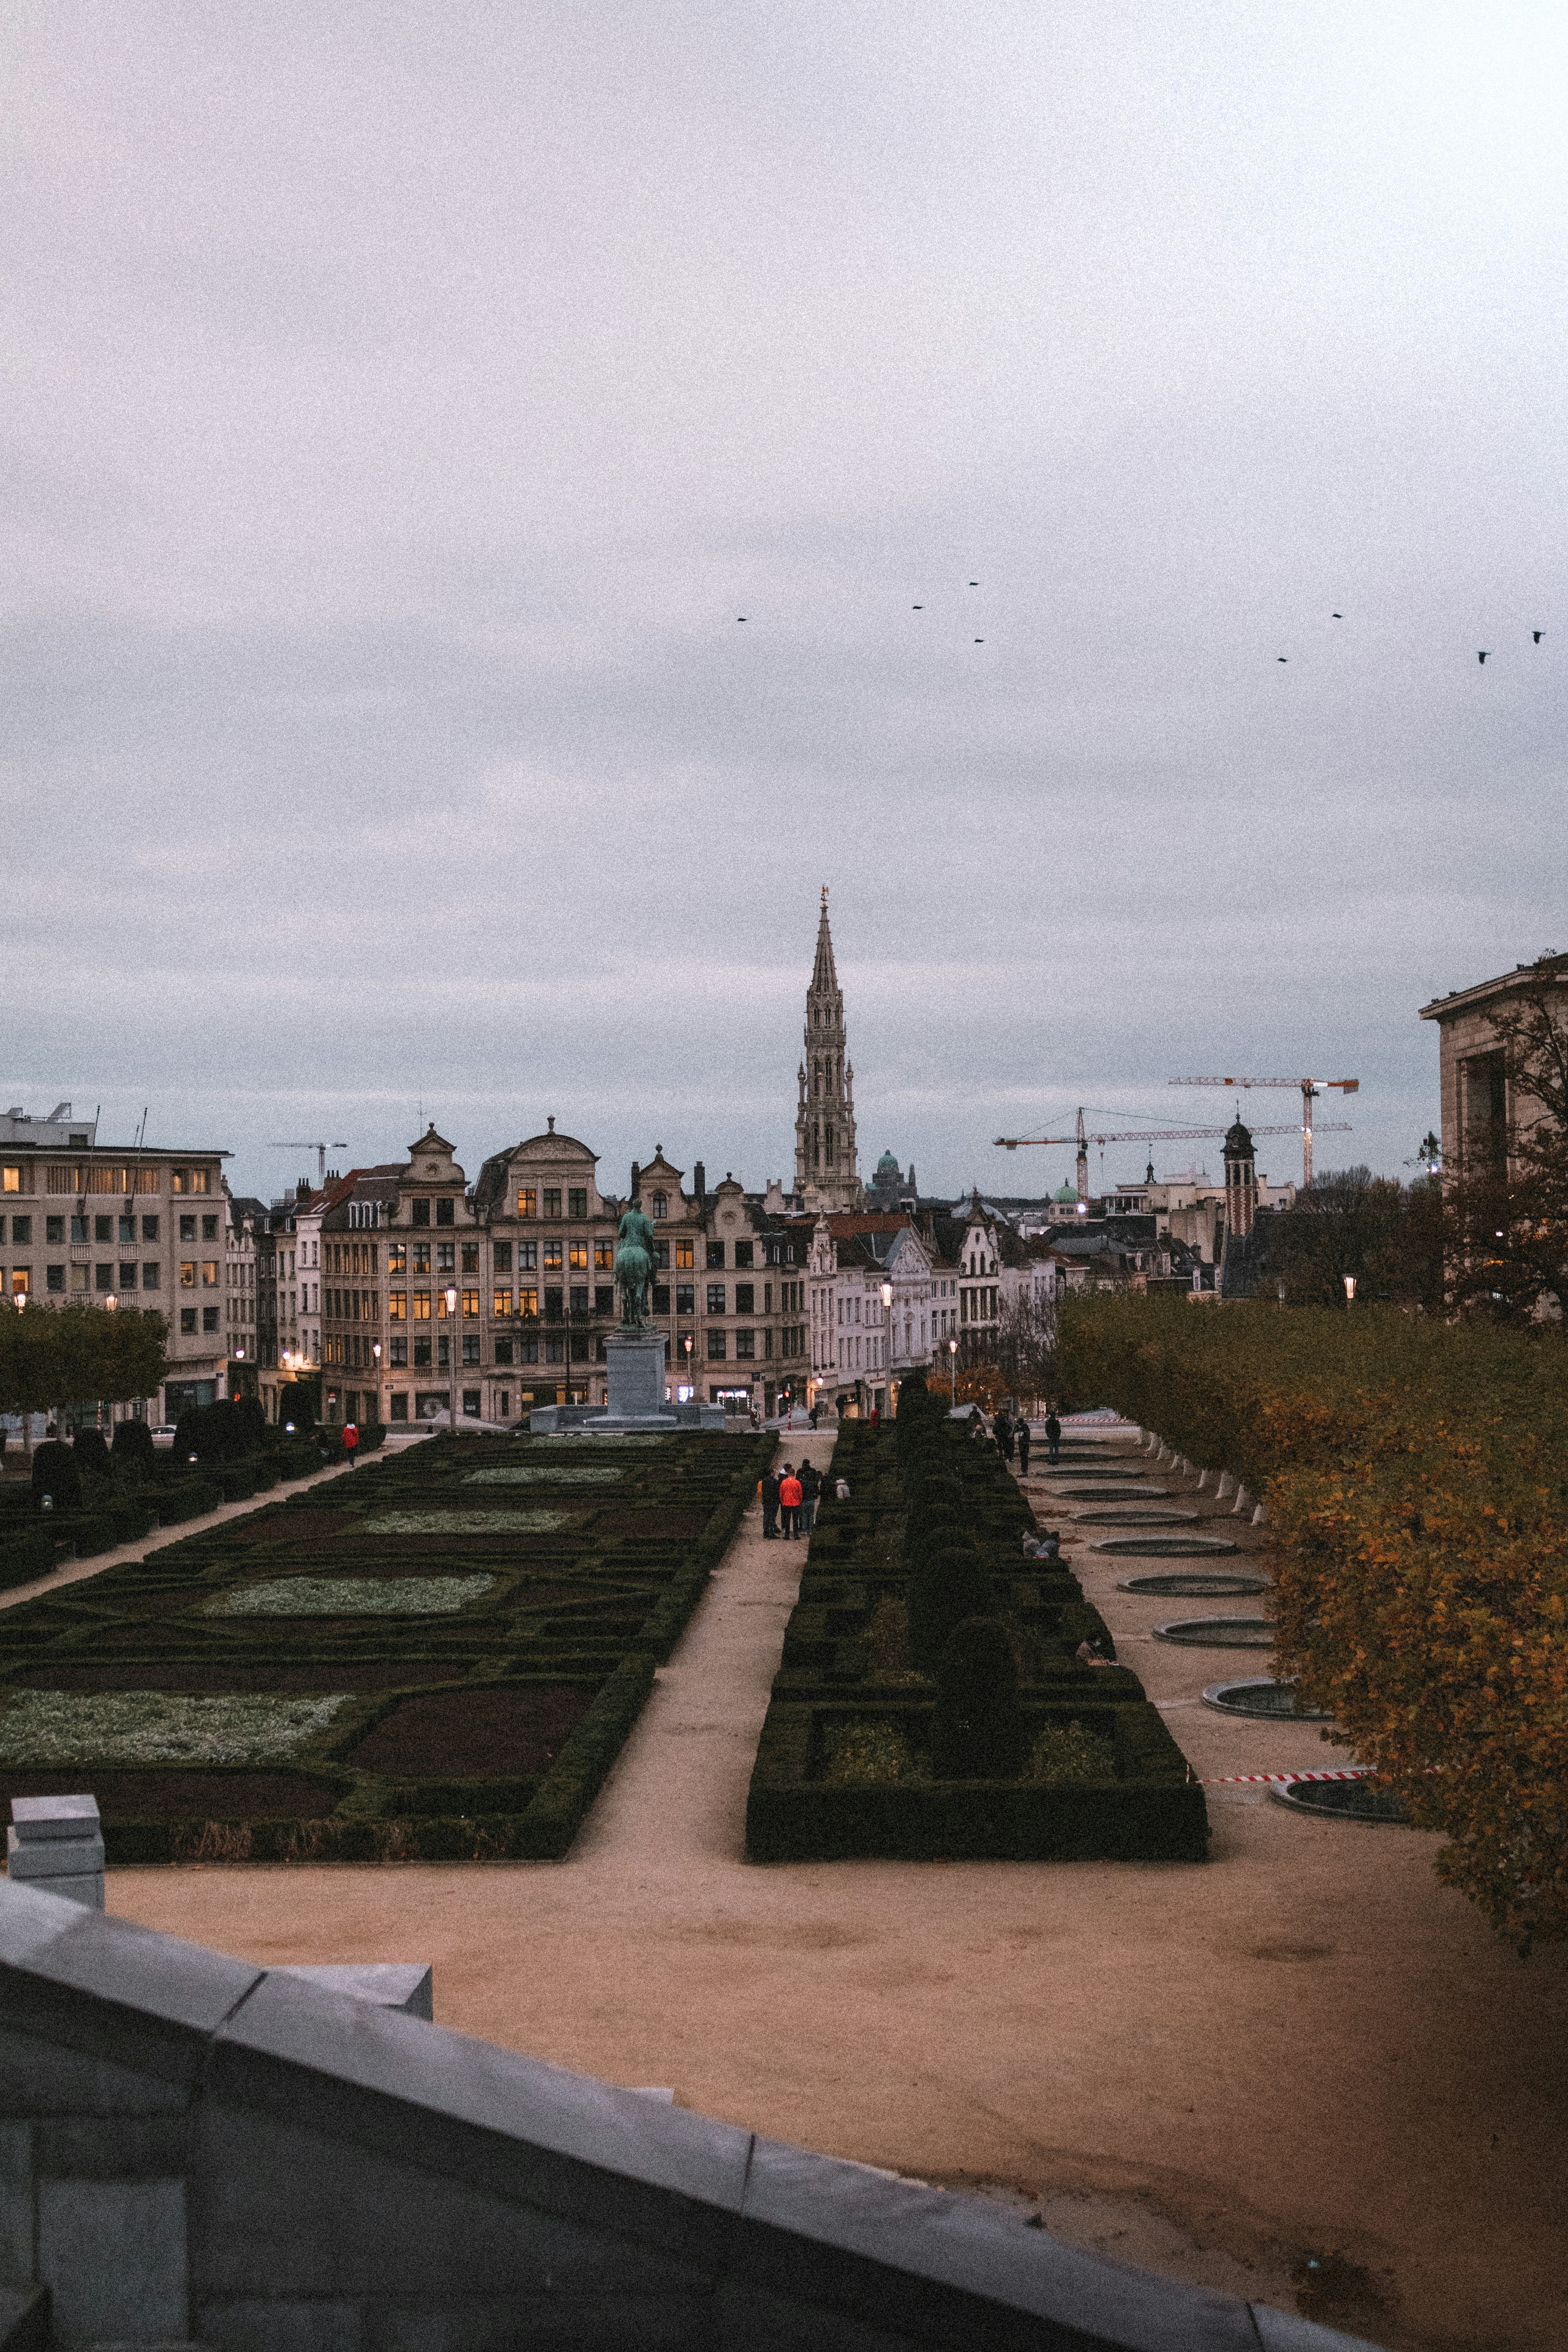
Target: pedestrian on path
point(351, 1440)
point(790, 1497)
point(1025, 1436)
point(810, 1478)
point(1053, 1436)
point(1002, 1431)
point(770, 1503)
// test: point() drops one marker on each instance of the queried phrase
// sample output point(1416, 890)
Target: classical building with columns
point(826, 1178)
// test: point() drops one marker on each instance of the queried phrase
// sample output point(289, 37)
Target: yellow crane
point(1310, 1089)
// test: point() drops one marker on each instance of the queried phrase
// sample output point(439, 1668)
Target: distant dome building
point(889, 1189)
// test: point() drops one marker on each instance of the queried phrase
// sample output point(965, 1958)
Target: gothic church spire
point(825, 1164)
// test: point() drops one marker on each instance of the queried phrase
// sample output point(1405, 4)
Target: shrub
point(92, 1453)
point(869, 1755)
point(977, 1732)
point(251, 1423)
point(1064, 1755)
point(133, 1518)
point(134, 1448)
point(238, 1485)
point(56, 1473)
point(946, 1586)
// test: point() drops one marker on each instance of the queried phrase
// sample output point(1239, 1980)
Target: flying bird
point(917, 608)
point(1538, 635)
point(980, 641)
point(975, 583)
point(740, 616)
point(1481, 658)
point(1337, 616)
point(1281, 656)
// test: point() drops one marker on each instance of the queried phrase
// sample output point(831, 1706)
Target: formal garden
point(438, 1655)
point(1413, 1473)
point(935, 1697)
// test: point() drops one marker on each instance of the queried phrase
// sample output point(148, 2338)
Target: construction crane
point(1310, 1089)
point(1083, 1138)
point(320, 1151)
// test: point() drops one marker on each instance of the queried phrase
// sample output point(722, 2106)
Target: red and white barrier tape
point(1235, 1779)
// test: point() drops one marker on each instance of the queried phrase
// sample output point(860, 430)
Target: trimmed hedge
point(888, 1546)
point(587, 1593)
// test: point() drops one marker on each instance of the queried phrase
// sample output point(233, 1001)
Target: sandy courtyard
point(1304, 2048)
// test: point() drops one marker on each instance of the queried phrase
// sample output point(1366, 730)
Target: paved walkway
point(1307, 2045)
point(679, 1786)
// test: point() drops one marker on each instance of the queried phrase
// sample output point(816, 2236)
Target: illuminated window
point(11, 1180)
point(146, 1180)
point(21, 1281)
point(577, 1200)
point(422, 1306)
point(552, 1203)
point(605, 1256)
point(553, 1257)
point(397, 1258)
point(683, 1254)
point(187, 1274)
point(501, 1303)
point(528, 1302)
point(397, 1306)
point(578, 1254)
point(209, 1274)
point(470, 1303)
point(441, 1310)
point(527, 1201)
point(421, 1257)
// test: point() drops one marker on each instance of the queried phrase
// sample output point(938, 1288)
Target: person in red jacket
point(790, 1498)
point(351, 1439)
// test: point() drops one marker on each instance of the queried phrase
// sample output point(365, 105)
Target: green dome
point(886, 1165)
point(1067, 1192)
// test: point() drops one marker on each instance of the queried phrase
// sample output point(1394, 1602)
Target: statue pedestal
point(636, 1361)
point(636, 1402)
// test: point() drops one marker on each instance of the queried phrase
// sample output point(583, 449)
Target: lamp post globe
point(450, 1295)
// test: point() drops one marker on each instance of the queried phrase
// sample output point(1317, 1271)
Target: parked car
point(164, 1434)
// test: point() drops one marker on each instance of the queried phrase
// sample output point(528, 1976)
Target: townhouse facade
point(873, 1284)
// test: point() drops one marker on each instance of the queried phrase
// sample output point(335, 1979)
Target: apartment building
point(129, 1228)
point(860, 1343)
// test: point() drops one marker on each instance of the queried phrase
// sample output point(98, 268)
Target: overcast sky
point(403, 402)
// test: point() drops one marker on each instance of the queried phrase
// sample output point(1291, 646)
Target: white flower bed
point(55, 1727)
point(352, 1596)
point(589, 1474)
point(464, 1522)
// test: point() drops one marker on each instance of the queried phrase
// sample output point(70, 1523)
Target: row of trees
point(51, 1357)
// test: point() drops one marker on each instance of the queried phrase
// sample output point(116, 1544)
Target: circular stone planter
point(1218, 1632)
point(1124, 1496)
point(1263, 1699)
point(1340, 1800)
point(1124, 1515)
point(1168, 1546)
point(1197, 1584)
point(1057, 1470)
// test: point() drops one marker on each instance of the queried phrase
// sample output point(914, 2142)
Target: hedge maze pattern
point(844, 1766)
point(477, 1626)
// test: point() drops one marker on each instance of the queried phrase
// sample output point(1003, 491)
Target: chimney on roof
point(699, 1179)
point(302, 1189)
point(636, 1179)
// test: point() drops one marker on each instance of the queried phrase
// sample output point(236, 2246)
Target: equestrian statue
point(634, 1268)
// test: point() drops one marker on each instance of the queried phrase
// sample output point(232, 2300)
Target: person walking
point(1002, 1431)
point(351, 1440)
point(810, 1478)
point(771, 1504)
point(790, 1496)
point(1053, 1436)
point(814, 1411)
point(1025, 1436)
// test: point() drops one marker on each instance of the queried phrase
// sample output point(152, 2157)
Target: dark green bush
point(946, 1586)
point(133, 1518)
point(238, 1485)
point(92, 1453)
point(92, 1532)
point(134, 1449)
point(24, 1556)
point(977, 1732)
point(56, 1473)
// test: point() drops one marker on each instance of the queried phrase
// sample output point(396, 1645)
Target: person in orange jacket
point(790, 1498)
point(351, 1440)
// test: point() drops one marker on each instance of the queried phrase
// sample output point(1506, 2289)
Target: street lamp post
point(888, 1348)
point(690, 1391)
point(952, 1369)
point(375, 1356)
point(450, 1295)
